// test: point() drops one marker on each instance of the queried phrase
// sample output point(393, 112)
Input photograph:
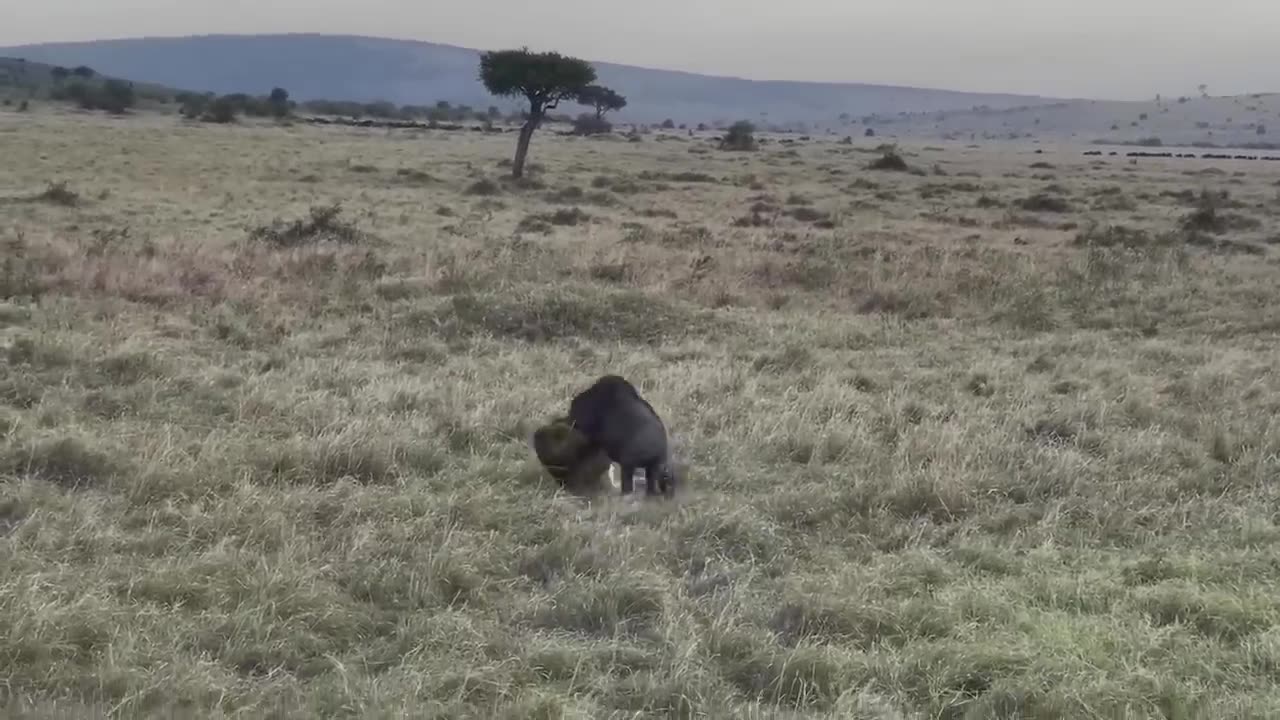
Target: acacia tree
point(544, 79)
point(601, 98)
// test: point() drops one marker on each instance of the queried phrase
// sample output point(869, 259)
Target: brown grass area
point(973, 446)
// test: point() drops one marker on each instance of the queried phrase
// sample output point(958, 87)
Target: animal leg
point(628, 479)
point(651, 479)
point(668, 481)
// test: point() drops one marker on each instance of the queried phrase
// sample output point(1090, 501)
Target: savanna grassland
point(994, 436)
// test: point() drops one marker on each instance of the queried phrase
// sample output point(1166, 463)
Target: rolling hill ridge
point(367, 69)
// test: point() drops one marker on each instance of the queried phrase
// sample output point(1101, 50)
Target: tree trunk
point(522, 146)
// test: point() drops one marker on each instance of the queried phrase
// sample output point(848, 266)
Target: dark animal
point(613, 416)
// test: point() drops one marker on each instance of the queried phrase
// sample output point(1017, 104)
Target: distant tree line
point(83, 86)
point(441, 112)
point(542, 79)
point(226, 108)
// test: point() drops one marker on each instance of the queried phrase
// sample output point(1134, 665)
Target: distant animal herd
point(412, 125)
point(1204, 156)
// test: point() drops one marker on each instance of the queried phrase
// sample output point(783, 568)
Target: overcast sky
point(1123, 49)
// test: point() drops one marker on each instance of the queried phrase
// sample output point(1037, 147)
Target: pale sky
point(1122, 49)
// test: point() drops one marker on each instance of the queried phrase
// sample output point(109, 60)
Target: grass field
point(996, 438)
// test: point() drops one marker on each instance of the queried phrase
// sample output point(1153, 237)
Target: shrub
point(533, 224)
point(322, 224)
point(279, 103)
point(1045, 202)
point(741, 137)
point(221, 110)
point(1208, 218)
point(691, 177)
point(116, 96)
point(485, 187)
point(58, 193)
point(808, 214)
point(542, 222)
point(1113, 236)
point(890, 159)
point(191, 105)
point(588, 124)
point(568, 216)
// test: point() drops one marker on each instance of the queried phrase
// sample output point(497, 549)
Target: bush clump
point(588, 124)
point(1209, 218)
point(740, 137)
point(542, 222)
point(1045, 202)
point(113, 96)
point(1113, 236)
point(57, 193)
point(483, 188)
point(212, 108)
point(809, 215)
point(322, 224)
point(890, 159)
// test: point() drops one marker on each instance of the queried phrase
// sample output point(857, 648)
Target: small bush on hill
point(220, 110)
point(116, 96)
point(740, 137)
point(113, 96)
point(278, 103)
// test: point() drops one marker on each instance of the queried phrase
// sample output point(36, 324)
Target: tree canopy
point(544, 79)
point(601, 98)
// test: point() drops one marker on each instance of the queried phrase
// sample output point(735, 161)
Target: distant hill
point(414, 73)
